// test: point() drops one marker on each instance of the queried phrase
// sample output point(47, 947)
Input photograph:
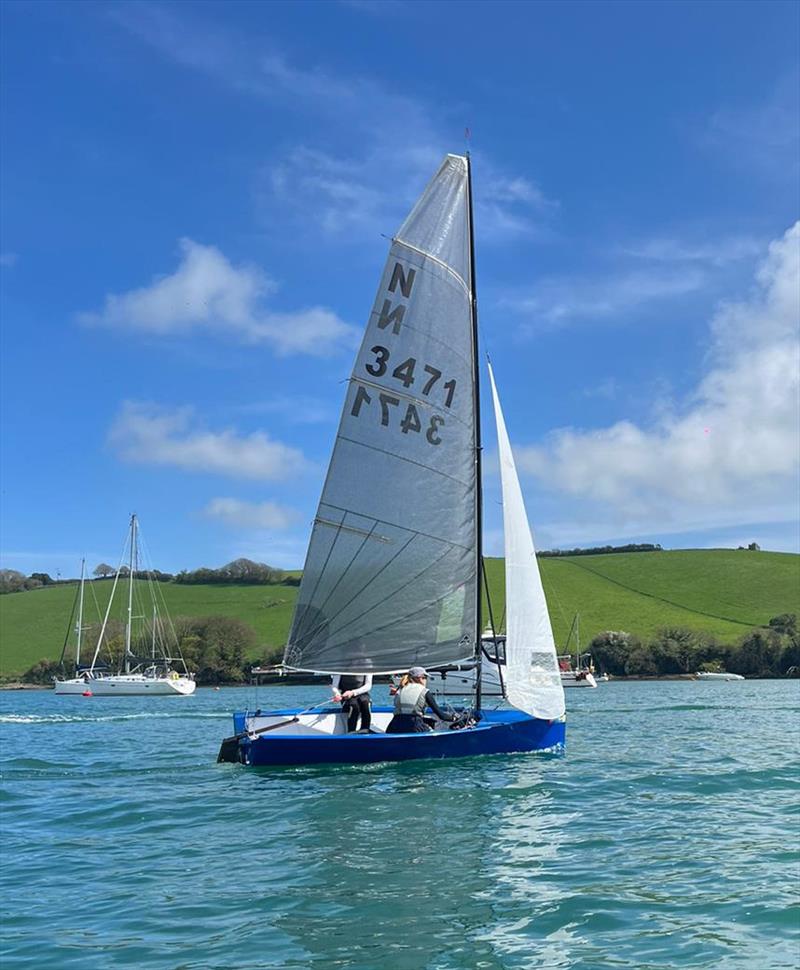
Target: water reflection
point(415, 865)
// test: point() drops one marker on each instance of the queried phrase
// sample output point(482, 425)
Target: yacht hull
point(128, 685)
point(498, 732)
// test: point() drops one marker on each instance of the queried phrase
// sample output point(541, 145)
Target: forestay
point(391, 570)
point(533, 680)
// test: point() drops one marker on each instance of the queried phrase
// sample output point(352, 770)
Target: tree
point(785, 623)
point(640, 662)
point(43, 672)
point(215, 647)
point(103, 569)
point(44, 578)
point(758, 654)
point(11, 581)
point(675, 651)
point(611, 649)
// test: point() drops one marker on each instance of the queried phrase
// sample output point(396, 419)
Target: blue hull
point(498, 732)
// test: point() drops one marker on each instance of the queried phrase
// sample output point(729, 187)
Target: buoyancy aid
point(410, 699)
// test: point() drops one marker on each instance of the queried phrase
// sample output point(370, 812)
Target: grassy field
point(721, 592)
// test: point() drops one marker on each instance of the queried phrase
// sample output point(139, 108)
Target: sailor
point(410, 702)
point(353, 691)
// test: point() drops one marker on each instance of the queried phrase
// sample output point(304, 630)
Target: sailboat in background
point(582, 674)
point(137, 675)
point(394, 568)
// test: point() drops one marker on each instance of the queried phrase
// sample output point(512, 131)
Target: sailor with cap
point(410, 702)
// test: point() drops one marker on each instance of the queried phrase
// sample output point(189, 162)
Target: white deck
point(320, 723)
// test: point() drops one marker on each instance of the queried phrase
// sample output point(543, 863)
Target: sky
point(196, 205)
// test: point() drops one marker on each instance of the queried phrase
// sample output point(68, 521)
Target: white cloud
point(731, 454)
point(395, 141)
point(716, 253)
point(762, 136)
point(296, 409)
point(147, 434)
point(558, 301)
point(250, 515)
point(208, 292)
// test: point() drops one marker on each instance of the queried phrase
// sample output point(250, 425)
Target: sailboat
point(393, 572)
point(137, 675)
point(582, 674)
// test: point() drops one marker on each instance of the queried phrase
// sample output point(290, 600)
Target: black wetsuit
point(358, 706)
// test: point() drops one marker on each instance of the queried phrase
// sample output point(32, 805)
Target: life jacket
point(410, 699)
point(350, 682)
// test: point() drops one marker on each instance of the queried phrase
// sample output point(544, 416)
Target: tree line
point(243, 572)
point(216, 649)
point(600, 550)
point(771, 651)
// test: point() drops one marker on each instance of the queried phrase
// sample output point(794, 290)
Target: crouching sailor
point(353, 691)
point(410, 702)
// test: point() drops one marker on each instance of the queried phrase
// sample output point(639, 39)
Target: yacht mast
point(79, 629)
point(128, 625)
point(477, 407)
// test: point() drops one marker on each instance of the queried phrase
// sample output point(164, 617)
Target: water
point(666, 837)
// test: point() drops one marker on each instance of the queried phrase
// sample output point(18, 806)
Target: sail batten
point(434, 259)
point(533, 680)
point(390, 577)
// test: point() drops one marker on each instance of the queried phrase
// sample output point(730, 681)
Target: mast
point(477, 407)
point(80, 616)
point(130, 597)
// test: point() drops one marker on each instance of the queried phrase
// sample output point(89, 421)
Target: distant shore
point(305, 682)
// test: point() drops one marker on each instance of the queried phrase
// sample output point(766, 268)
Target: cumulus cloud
point(250, 515)
point(732, 451)
point(147, 434)
point(208, 292)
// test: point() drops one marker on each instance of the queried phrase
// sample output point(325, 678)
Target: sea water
point(665, 837)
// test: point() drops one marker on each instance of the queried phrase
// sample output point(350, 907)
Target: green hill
point(720, 592)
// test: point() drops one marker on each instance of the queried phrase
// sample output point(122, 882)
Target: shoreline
point(305, 682)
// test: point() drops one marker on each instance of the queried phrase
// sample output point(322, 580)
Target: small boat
point(582, 674)
point(716, 675)
point(394, 570)
point(153, 675)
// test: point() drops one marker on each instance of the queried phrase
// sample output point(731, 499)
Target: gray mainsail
point(390, 577)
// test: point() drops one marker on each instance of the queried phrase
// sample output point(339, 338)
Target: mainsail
point(533, 680)
point(390, 577)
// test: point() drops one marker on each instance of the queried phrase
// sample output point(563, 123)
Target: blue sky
point(195, 197)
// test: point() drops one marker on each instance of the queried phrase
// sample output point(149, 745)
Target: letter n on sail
point(393, 315)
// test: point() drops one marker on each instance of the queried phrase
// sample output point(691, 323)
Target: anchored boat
point(394, 570)
point(151, 668)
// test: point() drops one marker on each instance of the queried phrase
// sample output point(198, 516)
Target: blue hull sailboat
point(394, 570)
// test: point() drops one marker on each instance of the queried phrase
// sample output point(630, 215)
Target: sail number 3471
point(405, 374)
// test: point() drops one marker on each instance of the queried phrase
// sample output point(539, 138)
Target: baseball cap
point(418, 672)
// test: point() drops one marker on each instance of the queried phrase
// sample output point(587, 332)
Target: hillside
point(720, 592)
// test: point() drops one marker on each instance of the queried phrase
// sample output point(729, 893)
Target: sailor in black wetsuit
point(353, 691)
point(410, 702)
